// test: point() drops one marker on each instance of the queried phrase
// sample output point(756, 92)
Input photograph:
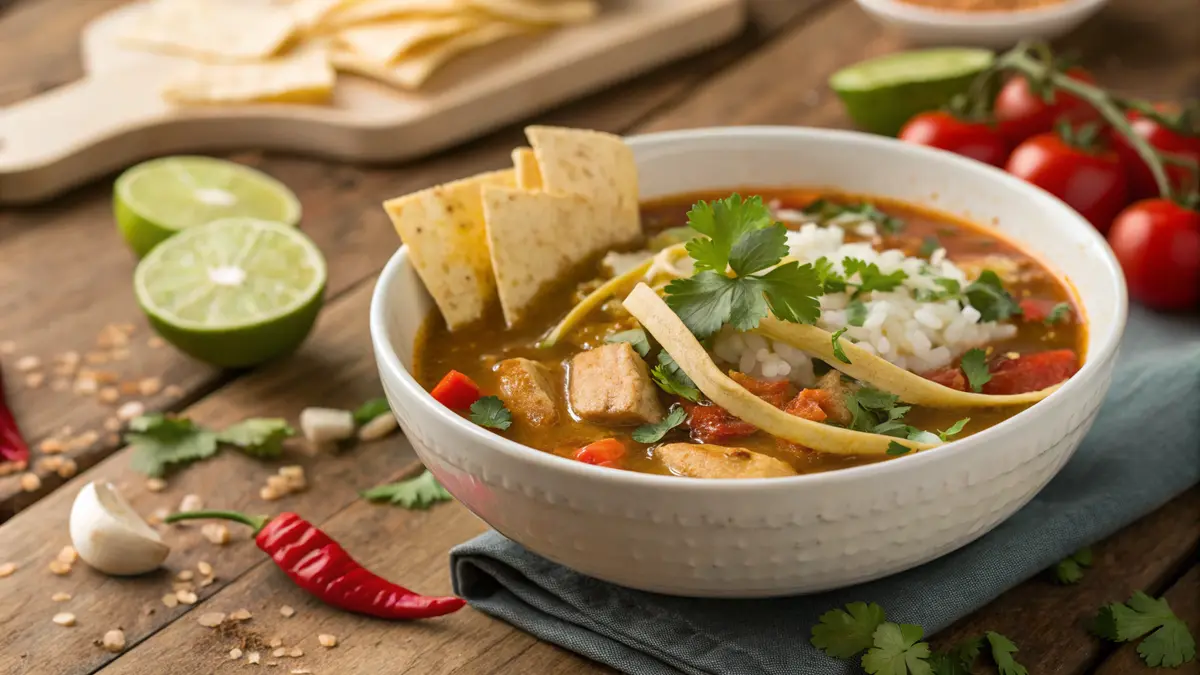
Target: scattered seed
point(275, 642)
point(82, 441)
point(383, 425)
point(7, 569)
point(109, 395)
point(9, 468)
point(129, 388)
point(49, 464)
point(155, 342)
point(149, 386)
point(157, 516)
point(112, 424)
point(295, 652)
point(51, 446)
point(267, 493)
point(156, 484)
point(205, 568)
point(183, 586)
point(170, 600)
point(253, 658)
point(279, 651)
point(28, 363)
point(60, 597)
point(186, 597)
point(8, 347)
point(191, 502)
point(301, 671)
point(64, 619)
point(68, 555)
point(173, 391)
point(130, 410)
point(85, 386)
point(68, 468)
point(106, 376)
point(206, 582)
point(185, 575)
point(235, 653)
point(287, 611)
point(327, 641)
point(277, 483)
point(30, 482)
point(114, 641)
point(212, 619)
point(240, 615)
point(216, 533)
point(35, 380)
point(59, 567)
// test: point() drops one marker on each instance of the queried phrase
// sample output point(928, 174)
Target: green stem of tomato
point(1020, 61)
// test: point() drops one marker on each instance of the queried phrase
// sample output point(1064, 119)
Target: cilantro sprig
point(636, 337)
point(1069, 570)
point(742, 237)
point(987, 295)
point(162, 443)
point(654, 432)
point(1168, 641)
point(974, 366)
point(489, 411)
point(670, 378)
point(1059, 313)
point(415, 493)
point(838, 352)
point(826, 211)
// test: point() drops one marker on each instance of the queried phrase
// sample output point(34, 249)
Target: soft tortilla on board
point(443, 227)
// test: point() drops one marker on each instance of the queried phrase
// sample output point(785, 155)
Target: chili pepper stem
point(1019, 60)
point(256, 522)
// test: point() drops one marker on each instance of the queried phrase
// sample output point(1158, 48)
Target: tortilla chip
point(591, 164)
point(533, 11)
point(218, 30)
point(535, 238)
point(529, 177)
point(303, 77)
point(443, 227)
point(411, 71)
point(669, 331)
point(384, 43)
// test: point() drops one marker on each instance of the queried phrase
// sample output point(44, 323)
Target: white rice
point(918, 336)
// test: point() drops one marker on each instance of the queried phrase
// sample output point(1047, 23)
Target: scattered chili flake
point(109, 395)
point(30, 482)
point(217, 533)
point(60, 597)
point(205, 568)
point(51, 446)
point(185, 575)
point(68, 555)
point(114, 641)
point(59, 567)
point(170, 600)
point(35, 380)
point(156, 484)
point(235, 653)
point(287, 611)
point(327, 641)
point(212, 619)
point(7, 569)
point(240, 615)
point(28, 363)
point(64, 619)
point(67, 469)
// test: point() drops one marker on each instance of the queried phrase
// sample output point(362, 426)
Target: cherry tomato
point(1158, 245)
point(976, 140)
point(1092, 183)
point(1021, 113)
point(1141, 181)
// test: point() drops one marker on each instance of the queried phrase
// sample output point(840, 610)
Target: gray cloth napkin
point(1143, 450)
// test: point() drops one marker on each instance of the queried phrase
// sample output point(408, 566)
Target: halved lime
point(235, 292)
point(155, 199)
point(883, 93)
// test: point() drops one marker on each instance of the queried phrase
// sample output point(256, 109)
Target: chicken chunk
point(835, 405)
point(611, 385)
point(527, 390)
point(718, 461)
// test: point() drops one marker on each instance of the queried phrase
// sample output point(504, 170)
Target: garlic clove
point(110, 536)
point(326, 425)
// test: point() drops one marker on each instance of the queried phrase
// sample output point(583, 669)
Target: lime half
point(883, 93)
point(156, 199)
point(235, 292)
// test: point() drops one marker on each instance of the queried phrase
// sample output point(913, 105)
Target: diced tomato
point(456, 391)
point(1036, 309)
point(1031, 372)
point(950, 376)
point(602, 452)
point(714, 424)
point(775, 393)
point(809, 405)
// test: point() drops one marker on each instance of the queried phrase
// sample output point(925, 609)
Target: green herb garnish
point(870, 277)
point(415, 493)
point(1059, 313)
point(856, 313)
point(954, 429)
point(824, 211)
point(741, 237)
point(896, 449)
point(875, 411)
point(974, 366)
point(837, 347)
point(490, 412)
point(929, 245)
point(161, 442)
point(830, 279)
point(842, 633)
point(1002, 653)
point(370, 410)
point(653, 433)
point(897, 650)
point(670, 378)
point(260, 437)
point(987, 295)
point(1069, 570)
point(1170, 644)
point(636, 338)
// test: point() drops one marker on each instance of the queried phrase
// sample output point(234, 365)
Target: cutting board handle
point(72, 133)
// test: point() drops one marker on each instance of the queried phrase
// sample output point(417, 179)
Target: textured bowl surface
point(780, 536)
point(999, 30)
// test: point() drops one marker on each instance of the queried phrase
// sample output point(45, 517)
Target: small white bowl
point(998, 30)
point(776, 536)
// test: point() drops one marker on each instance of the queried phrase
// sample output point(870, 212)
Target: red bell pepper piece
point(1031, 372)
point(12, 445)
point(603, 452)
point(456, 391)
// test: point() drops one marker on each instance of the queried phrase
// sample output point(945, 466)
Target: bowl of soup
point(743, 362)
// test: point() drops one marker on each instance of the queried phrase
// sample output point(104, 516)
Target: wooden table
point(65, 276)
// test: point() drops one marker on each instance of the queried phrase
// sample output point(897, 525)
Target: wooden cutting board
point(115, 116)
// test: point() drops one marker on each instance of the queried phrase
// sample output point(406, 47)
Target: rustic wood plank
point(64, 270)
point(1184, 596)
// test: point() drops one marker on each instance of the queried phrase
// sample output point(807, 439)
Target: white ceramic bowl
point(776, 536)
point(926, 26)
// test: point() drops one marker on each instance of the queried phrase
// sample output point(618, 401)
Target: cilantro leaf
point(161, 443)
point(825, 211)
point(837, 347)
point(653, 433)
point(974, 366)
point(636, 338)
point(489, 411)
point(792, 290)
point(670, 378)
point(259, 436)
point(872, 410)
point(960, 660)
point(1058, 313)
point(842, 633)
point(870, 276)
point(987, 295)
point(945, 664)
point(1171, 644)
point(896, 449)
point(703, 301)
point(757, 250)
point(724, 221)
point(951, 286)
point(415, 493)
point(1002, 651)
point(856, 313)
point(897, 650)
point(929, 245)
point(954, 429)
point(1069, 570)
point(747, 305)
point(829, 279)
point(370, 410)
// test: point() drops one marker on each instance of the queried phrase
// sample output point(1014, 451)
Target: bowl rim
point(949, 18)
point(1078, 385)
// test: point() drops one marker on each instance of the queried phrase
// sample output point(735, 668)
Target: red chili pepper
point(456, 391)
point(319, 565)
point(12, 445)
